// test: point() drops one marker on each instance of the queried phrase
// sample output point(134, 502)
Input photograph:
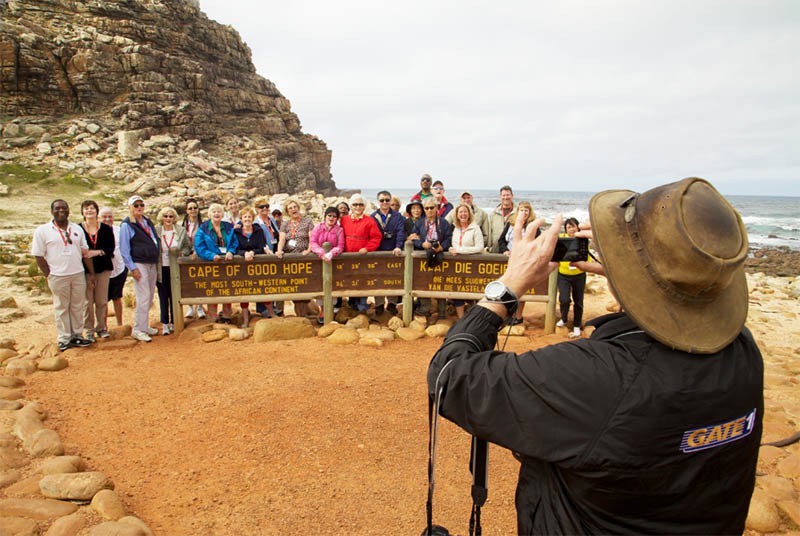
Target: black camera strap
point(479, 465)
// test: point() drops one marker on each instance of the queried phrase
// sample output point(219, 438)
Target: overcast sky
point(542, 95)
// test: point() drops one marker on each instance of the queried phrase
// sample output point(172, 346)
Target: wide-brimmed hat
point(411, 204)
point(674, 256)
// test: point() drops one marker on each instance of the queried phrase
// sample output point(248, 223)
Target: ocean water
point(770, 221)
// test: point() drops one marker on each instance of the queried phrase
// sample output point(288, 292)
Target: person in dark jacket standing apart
point(393, 238)
point(651, 425)
point(140, 249)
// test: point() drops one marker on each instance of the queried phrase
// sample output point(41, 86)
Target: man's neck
point(63, 224)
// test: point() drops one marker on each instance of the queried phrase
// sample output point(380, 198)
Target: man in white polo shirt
point(60, 248)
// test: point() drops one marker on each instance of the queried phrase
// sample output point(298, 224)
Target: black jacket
point(256, 243)
point(616, 433)
point(106, 242)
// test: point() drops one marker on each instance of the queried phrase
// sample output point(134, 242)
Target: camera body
point(570, 249)
point(434, 244)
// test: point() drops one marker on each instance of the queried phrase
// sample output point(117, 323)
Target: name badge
point(67, 250)
point(223, 250)
point(292, 243)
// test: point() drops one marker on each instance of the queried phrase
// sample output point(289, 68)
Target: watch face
point(495, 290)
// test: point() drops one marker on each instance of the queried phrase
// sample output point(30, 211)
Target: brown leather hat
point(674, 256)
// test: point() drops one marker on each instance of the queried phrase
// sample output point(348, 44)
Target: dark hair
point(383, 192)
point(343, 203)
point(507, 187)
point(186, 217)
point(90, 203)
point(573, 221)
point(57, 201)
point(331, 210)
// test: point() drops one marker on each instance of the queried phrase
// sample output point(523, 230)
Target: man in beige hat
point(653, 424)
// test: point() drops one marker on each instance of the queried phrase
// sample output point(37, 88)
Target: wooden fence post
point(408, 280)
point(175, 284)
point(327, 287)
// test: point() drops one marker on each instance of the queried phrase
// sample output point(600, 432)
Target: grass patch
point(14, 175)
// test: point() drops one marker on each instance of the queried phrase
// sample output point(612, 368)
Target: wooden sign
point(357, 272)
point(461, 273)
point(261, 276)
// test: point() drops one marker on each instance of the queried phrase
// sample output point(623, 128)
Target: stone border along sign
point(303, 277)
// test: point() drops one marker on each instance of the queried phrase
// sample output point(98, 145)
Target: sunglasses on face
point(191, 208)
point(168, 216)
point(138, 205)
point(262, 207)
point(357, 204)
point(385, 200)
point(430, 208)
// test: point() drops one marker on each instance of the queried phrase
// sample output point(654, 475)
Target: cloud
point(577, 94)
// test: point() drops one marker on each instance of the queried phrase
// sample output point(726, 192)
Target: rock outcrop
point(143, 82)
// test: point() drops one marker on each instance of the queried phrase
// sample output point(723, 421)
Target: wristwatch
point(497, 292)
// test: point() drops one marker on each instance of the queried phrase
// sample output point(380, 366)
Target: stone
point(82, 148)
point(136, 522)
point(120, 332)
point(7, 393)
point(777, 487)
point(107, 504)
point(93, 128)
point(11, 458)
point(8, 302)
point(9, 477)
point(410, 334)
point(418, 326)
point(437, 330)
point(116, 528)
point(25, 488)
point(791, 509)
point(344, 335)
point(39, 509)
point(517, 330)
point(238, 334)
point(10, 405)
point(395, 323)
point(8, 343)
point(18, 526)
point(27, 422)
point(20, 367)
point(358, 322)
point(62, 464)
point(763, 514)
point(45, 442)
point(328, 328)
point(5, 155)
point(44, 148)
point(282, 329)
point(53, 364)
point(128, 143)
point(6, 354)
point(80, 486)
point(372, 342)
point(69, 525)
point(214, 335)
point(384, 334)
point(789, 467)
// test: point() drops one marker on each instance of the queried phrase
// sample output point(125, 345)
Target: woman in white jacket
point(467, 240)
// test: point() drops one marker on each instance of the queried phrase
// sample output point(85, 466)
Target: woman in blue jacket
point(215, 241)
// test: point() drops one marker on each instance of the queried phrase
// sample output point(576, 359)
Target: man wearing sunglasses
point(393, 230)
point(425, 189)
point(60, 249)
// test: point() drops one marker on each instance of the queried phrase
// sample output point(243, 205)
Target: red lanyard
point(432, 230)
point(64, 236)
point(293, 228)
point(92, 237)
point(171, 238)
point(146, 229)
point(461, 236)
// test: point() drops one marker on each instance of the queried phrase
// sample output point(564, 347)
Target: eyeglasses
point(262, 207)
point(168, 216)
point(138, 205)
point(191, 208)
point(430, 208)
point(385, 200)
point(357, 204)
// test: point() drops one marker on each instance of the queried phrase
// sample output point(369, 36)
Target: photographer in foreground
point(651, 425)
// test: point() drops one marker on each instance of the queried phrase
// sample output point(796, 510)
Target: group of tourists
point(87, 264)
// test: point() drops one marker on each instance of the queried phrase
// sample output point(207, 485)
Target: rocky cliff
point(171, 95)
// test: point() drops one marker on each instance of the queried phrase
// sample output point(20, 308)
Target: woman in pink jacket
point(331, 232)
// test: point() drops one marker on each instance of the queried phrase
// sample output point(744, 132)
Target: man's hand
point(136, 274)
point(529, 261)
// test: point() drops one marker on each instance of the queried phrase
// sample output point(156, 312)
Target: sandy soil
point(298, 437)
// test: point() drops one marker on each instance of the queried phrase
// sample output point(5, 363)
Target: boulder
point(214, 335)
point(360, 321)
point(45, 442)
point(395, 323)
point(373, 342)
point(18, 526)
point(344, 335)
point(8, 343)
point(20, 367)
point(238, 334)
point(136, 522)
point(410, 334)
point(69, 525)
point(6, 354)
point(283, 329)
point(328, 328)
point(437, 330)
point(74, 486)
point(120, 332)
point(6, 393)
point(107, 504)
point(116, 528)
point(517, 330)
point(53, 364)
point(417, 325)
point(11, 381)
point(62, 464)
point(39, 509)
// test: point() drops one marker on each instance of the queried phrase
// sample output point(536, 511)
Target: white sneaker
point(141, 336)
point(165, 329)
point(151, 331)
point(201, 313)
point(576, 332)
point(190, 314)
point(560, 324)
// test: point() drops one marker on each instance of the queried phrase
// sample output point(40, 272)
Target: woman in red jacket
point(361, 234)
